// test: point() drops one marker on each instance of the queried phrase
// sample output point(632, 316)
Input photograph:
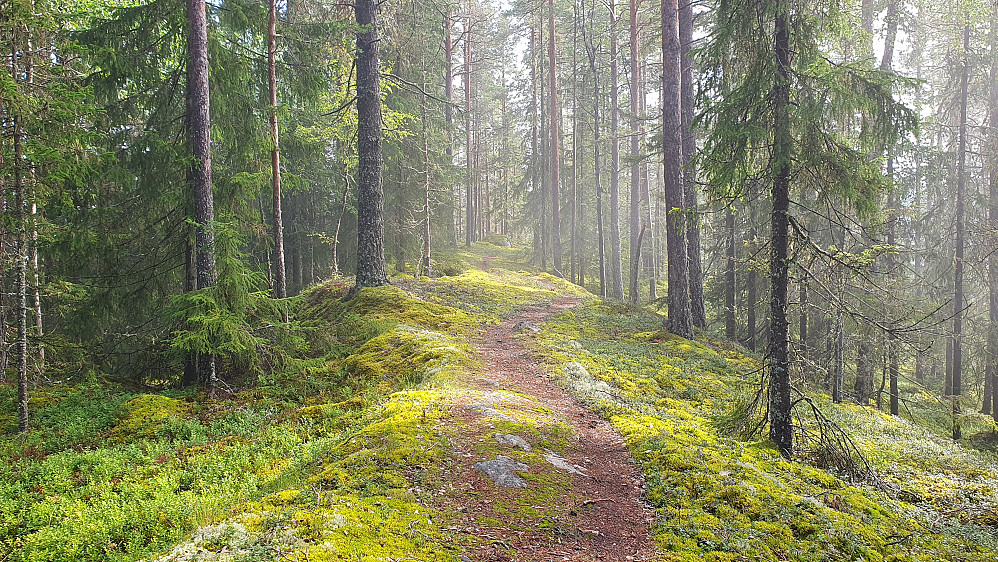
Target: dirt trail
point(600, 516)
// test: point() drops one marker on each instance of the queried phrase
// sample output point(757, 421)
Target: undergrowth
point(722, 498)
point(322, 459)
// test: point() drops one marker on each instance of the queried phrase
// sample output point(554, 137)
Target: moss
point(720, 498)
point(146, 413)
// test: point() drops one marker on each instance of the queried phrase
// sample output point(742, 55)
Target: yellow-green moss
point(145, 413)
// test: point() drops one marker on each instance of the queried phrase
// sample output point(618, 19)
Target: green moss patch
point(720, 498)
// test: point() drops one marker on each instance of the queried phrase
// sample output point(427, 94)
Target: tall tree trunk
point(890, 34)
point(371, 270)
point(961, 188)
point(635, 200)
point(20, 252)
point(680, 316)
point(555, 150)
point(730, 327)
point(693, 243)
point(280, 281)
point(616, 259)
point(597, 95)
point(992, 351)
point(576, 258)
point(838, 361)
point(449, 113)
point(471, 227)
point(780, 415)
point(199, 175)
point(534, 141)
point(426, 187)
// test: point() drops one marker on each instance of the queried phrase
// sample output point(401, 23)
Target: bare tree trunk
point(864, 373)
point(555, 150)
point(20, 252)
point(576, 258)
point(449, 112)
point(199, 175)
point(992, 350)
point(680, 316)
point(839, 364)
point(730, 327)
point(370, 201)
point(471, 226)
point(961, 188)
point(600, 235)
point(426, 187)
point(693, 243)
point(339, 220)
point(616, 259)
point(280, 281)
point(780, 416)
point(635, 201)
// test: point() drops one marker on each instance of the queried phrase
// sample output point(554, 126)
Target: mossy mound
point(721, 498)
point(146, 413)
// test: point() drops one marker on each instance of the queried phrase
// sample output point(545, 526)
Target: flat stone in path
point(514, 440)
point(562, 464)
point(501, 471)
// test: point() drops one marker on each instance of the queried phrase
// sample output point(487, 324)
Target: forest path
point(582, 503)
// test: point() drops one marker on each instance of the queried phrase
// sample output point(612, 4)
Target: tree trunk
point(21, 255)
point(730, 326)
point(992, 349)
point(576, 258)
point(694, 252)
point(449, 113)
point(864, 373)
point(199, 175)
point(839, 363)
point(635, 200)
point(680, 316)
point(470, 227)
point(616, 259)
point(600, 235)
point(780, 415)
point(555, 150)
point(370, 199)
point(426, 187)
point(280, 281)
point(961, 188)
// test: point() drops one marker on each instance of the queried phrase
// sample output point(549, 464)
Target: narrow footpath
point(583, 502)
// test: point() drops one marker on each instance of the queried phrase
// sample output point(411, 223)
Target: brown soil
point(599, 515)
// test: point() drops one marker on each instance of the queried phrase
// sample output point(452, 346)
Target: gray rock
point(527, 326)
point(562, 464)
point(501, 471)
point(489, 412)
point(514, 440)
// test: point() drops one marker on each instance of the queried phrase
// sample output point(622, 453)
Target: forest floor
point(384, 439)
point(606, 518)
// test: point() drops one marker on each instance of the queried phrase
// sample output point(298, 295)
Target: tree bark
point(961, 188)
point(616, 258)
point(470, 227)
point(680, 316)
point(371, 270)
point(635, 200)
point(449, 112)
point(730, 326)
point(280, 280)
point(693, 244)
point(199, 175)
point(21, 255)
point(597, 94)
point(992, 350)
point(780, 415)
point(555, 149)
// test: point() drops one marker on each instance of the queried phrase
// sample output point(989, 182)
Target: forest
point(514, 280)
